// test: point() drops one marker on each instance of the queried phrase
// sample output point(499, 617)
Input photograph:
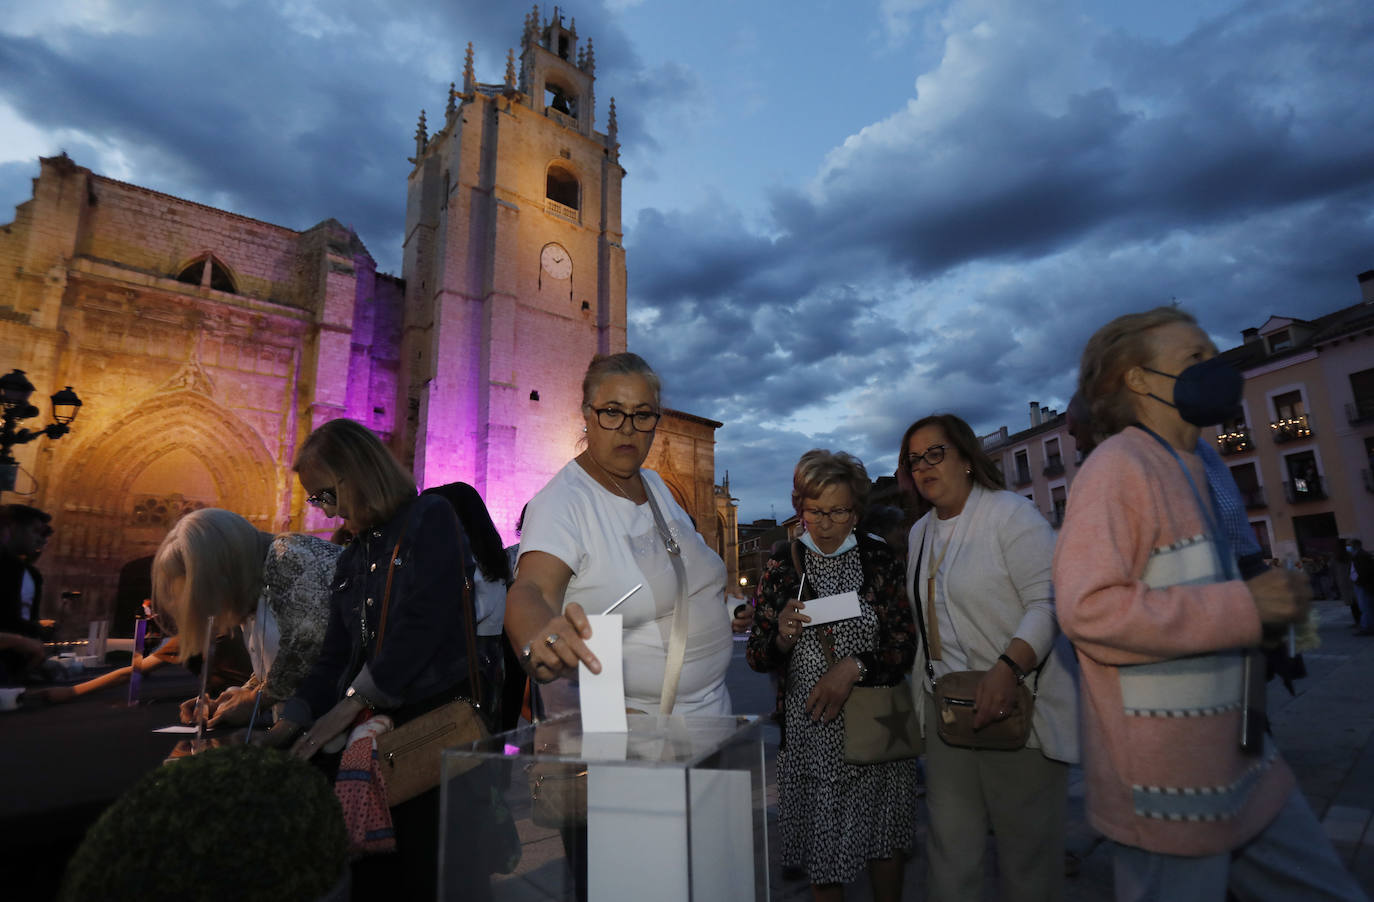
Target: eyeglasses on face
point(612, 418)
point(323, 498)
point(838, 515)
point(933, 455)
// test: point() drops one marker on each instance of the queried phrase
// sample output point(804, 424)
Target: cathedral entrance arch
point(124, 486)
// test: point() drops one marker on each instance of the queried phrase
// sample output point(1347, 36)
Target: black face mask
point(1205, 393)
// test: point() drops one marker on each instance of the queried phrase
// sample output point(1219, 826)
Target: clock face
point(556, 262)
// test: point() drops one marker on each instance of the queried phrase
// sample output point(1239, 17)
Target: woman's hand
point(559, 646)
point(339, 718)
point(790, 624)
point(996, 696)
point(233, 708)
point(831, 691)
point(191, 708)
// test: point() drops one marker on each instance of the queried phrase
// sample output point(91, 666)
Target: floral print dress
point(835, 817)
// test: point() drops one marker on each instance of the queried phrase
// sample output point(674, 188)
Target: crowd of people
point(1128, 641)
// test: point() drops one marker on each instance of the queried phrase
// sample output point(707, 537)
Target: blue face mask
point(848, 543)
point(1205, 393)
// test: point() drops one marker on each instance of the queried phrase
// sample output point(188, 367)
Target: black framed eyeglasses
point(612, 418)
point(933, 455)
point(839, 515)
point(323, 498)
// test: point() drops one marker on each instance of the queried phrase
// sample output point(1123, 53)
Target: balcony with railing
point(1254, 498)
point(1360, 411)
point(554, 208)
point(1292, 429)
point(1056, 517)
point(1237, 442)
point(1296, 491)
point(1022, 476)
point(560, 117)
point(1054, 467)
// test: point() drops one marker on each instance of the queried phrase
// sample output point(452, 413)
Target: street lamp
point(15, 389)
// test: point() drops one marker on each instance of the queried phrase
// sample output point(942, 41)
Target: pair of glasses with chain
point(612, 418)
point(838, 515)
point(934, 454)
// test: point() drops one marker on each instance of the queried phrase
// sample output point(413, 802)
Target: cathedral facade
point(206, 345)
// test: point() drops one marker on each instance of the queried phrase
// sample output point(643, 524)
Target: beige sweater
point(1158, 633)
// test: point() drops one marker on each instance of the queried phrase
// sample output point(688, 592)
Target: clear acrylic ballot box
point(673, 810)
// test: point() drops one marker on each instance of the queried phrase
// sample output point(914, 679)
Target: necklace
point(669, 542)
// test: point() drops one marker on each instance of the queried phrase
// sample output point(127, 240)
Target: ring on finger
point(551, 640)
point(527, 650)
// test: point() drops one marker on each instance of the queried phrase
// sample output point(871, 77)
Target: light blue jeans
point(1290, 860)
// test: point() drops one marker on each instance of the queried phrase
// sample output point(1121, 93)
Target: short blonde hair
point(819, 468)
point(219, 558)
point(369, 481)
point(1112, 352)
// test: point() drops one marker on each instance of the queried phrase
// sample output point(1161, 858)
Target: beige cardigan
point(998, 571)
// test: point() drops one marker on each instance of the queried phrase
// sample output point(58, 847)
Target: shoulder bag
point(955, 692)
point(879, 721)
point(409, 756)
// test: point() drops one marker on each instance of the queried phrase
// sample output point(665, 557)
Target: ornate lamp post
point(15, 390)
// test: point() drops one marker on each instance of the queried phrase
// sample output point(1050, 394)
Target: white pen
point(619, 601)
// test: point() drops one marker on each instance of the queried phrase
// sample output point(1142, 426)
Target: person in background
point(1345, 583)
point(1150, 590)
point(1362, 577)
point(214, 563)
point(26, 531)
point(491, 577)
point(979, 565)
point(837, 819)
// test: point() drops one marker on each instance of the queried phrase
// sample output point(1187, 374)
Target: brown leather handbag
point(409, 756)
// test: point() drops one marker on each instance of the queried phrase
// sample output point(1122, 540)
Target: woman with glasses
point(602, 525)
point(214, 563)
point(404, 559)
point(836, 818)
point(978, 568)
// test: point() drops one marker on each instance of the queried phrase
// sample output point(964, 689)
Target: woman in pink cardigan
point(1149, 591)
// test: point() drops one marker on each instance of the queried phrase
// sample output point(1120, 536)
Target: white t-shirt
point(610, 544)
point(952, 654)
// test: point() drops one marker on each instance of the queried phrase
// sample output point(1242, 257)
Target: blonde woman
point(215, 564)
point(405, 557)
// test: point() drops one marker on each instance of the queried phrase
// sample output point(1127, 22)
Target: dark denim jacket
point(423, 650)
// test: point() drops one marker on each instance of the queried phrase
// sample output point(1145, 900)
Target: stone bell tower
point(514, 271)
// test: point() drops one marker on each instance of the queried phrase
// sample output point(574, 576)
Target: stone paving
point(1324, 731)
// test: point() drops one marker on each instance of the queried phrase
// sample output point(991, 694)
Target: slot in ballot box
point(674, 809)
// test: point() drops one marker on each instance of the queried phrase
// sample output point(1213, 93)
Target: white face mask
point(848, 543)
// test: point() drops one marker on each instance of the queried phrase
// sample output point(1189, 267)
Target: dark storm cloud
point(1232, 171)
point(291, 114)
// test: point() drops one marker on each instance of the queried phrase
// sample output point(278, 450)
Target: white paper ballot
point(179, 728)
point(603, 694)
point(832, 608)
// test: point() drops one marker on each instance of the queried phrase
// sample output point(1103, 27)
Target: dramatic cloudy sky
point(840, 214)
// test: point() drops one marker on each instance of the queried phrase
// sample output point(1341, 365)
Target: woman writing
point(978, 568)
point(602, 525)
point(215, 564)
point(395, 640)
point(1152, 591)
point(836, 818)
